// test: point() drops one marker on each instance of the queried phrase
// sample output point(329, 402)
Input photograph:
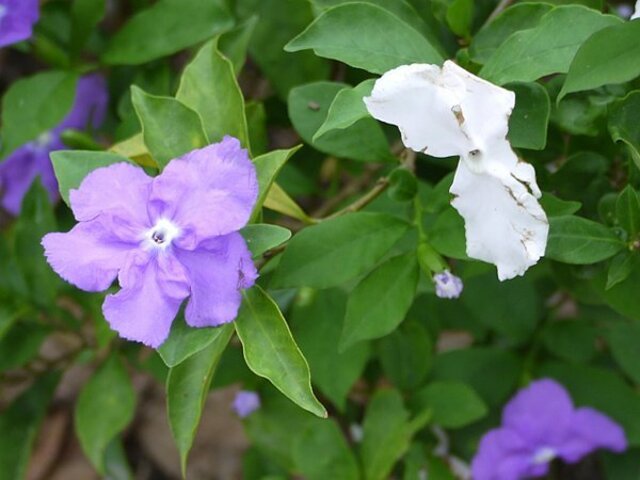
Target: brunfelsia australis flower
point(449, 112)
point(447, 285)
point(166, 238)
point(23, 165)
point(245, 403)
point(539, 425)
point(17, 18)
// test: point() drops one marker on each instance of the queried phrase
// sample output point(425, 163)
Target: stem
point(498, 10)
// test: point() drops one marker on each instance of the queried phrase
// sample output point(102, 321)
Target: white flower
point(449, 112)
point(636, 14)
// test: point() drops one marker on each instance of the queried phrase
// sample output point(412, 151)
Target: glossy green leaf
point(235, 43)
point(556, 207)
point(459, 17)
point(607, 57)
point(453, 404)
point(622, 296)
point(308, 108)
point(71, 166)
point(355, 242)
point(624, 123)
point(262, 237)
point(347, 108)
point(365, 36)
point(530, 117)
point(317, 326)
point(19, 424)
point(34, 105)
point(185, 341)
point(105, 407)
point(166, 27)
point(548, 47)
point(187, 389)
point(271, 352)
point(580, 241)
point(267, 167)
point(336, 461)
point(628, 210)
point(624, 340)
point(280, 201)
point(85, 15)
point(21, 344)
point(169, 128)
point(572, 340)
point(381, 300)
point(406, 355)
point(620, 268)
point(208, 85)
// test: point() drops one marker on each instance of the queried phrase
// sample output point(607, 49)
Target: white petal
point(504, 223)
point(636, 14)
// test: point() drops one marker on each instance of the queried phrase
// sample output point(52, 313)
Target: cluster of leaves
point(347, 303)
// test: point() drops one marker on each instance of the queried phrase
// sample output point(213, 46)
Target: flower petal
point(502, 456)
point(217, 187)
point(87, 256)
point(90, 104)
point(636, 12)
point(118, 192)
point(540, 413)
point(17, 22)
point(153, 287)
point(217, 271)
point(504, 223)
point(589, 431)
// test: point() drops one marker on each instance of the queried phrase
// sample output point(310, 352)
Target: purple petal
point(87, 256)
point(153, 288)
point(245, 403)
point(589, 431)
point(541, 412)
point(17, 18)
point(217, 188)
point(502, 455)
point(118, 192)
point(217, 271)
point(19, 170)
point(90, 104)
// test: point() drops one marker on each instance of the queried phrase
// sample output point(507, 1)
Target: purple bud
point(447, 285)
point(246, 403)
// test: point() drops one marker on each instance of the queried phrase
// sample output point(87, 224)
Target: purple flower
point(23, 165)
point(17, 18)
point(245, 403)
point(447, 285)
point(165, 238)
point(538, 425)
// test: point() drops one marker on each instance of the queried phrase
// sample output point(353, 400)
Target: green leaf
point(346, 109)
point(459, 17)
point(365, 36)
point(572, 340)
point(7, 318)
point(19, 424)
point(403, 185)
point(234, 43)
point(278, 200)
point(35, 105)
point(21, 343)
point(600, 389)
point(336, 461)
point(105, 407)
point(620, 268)
point(556, 207)
point(187, 389)
point(166, 27)
point(491, 372)
point(624, 340)
point(623, 296)
point(85, 15)
point(624, 123)
point(271, 352)
point(316, 326)
point(169, 128)
point(580, 241)
point(521, 16)
point(453, 404)
point(628, 210)
point(530, 117)
point(547, 48)
point(262, 237)
point(381, 300)
point(308, 108)
point(355, 242)
point(208, 85)
point(71, 166)
point(609, 56)
point(447, 235)
point(185, 341)
point(387, 434)
point(267, 167)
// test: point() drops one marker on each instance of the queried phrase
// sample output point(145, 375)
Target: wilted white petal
point(636, 14)
point(448, 111)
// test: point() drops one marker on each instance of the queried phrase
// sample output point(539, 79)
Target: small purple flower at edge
point(447, 285)
point(245, 403)
point(539, 425)
point(166, 238)
point(17, 18)
point(23, 165)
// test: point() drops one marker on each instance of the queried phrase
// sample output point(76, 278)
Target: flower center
point(544, 455)
point(161, 234)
